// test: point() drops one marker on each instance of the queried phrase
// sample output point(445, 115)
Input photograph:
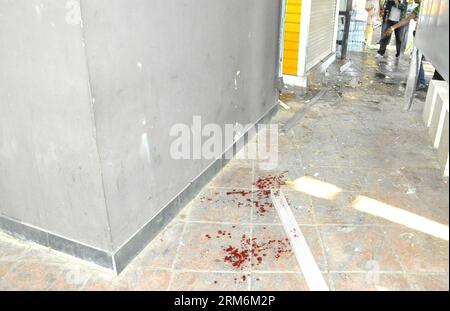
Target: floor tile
point(340, 210)
point(275, 252)
point(433, 208)
point(203, 247)
point(425, 180)
point(39, 254)
point(232, 177)
point(278, 282)
point(369, 282)
point(207, 281)
point(245, 161)
point(263, 210)
point(223, 205)
point(265, 213)
point(301, 206)
point(71, 278)
point(383, 180)
point(31, 277)
point(100, 283)
point(143, 280)
point(439, 206)
point(130, 280)
point(273, 176)
point(5, 266)
point(358, 248)
point(417, 251)
point(429, 282)
point(10, 250)
point(272, 250)
point(160, 253)
point(347, 179)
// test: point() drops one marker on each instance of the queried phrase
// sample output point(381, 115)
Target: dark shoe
point(422, 88)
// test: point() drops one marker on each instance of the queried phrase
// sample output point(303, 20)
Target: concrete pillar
point(435, 117)
point(443, 153)
point(438, 117)
point(89, 93)
point(436, 87)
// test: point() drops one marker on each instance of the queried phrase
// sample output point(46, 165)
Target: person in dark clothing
point(421, 82)
point(394, 11)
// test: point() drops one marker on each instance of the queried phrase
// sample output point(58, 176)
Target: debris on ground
point(284, 105)
point(346, 66)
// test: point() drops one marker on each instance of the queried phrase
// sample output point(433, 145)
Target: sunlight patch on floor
point(400, 216)
point(316, 188)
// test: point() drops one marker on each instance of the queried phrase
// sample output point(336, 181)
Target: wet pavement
point(382, 227)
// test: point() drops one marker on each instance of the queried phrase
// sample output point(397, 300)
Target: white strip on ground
point(305, 258)
point(284, 105)
point(346, 66)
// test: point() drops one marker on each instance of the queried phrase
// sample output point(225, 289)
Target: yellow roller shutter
point(291, 36)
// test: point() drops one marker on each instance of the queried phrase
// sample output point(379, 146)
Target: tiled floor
point(355, 139)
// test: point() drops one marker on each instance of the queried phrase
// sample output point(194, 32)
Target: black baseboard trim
point(29, 233)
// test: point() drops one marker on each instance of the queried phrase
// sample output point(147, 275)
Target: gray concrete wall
point(86, 109)
point(432, 34)
point(157, 63)
point(49, 166)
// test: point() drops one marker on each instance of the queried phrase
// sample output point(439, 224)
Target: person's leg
point(405, 35)
point(398, 41)
point(383, 27)
point(421, 82)
point(384, 42)
point(369, 34)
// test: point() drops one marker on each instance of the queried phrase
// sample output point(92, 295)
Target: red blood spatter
point(254, 248)
point(265, 185)
point(237, 257)
point(241, 192)
point(270, 183)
